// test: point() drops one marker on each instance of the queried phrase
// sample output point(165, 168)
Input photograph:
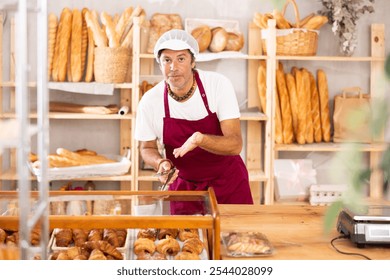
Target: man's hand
point(188, 145)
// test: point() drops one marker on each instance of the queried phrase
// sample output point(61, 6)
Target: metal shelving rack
point(31, 214)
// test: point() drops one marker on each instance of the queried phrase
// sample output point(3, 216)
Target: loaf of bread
point(281, 21)
point(75, 46)
point(218, 40)
point(292, 93)
point(315, 109)
point(235, 42)
point(99, 36)
point(122, 21)
point(127, 35)
point(309, 136)
point(301, 131)
point(262, 85)
point(202, 35)
point(84, 42)
point(113, 38)
point(288, 132)
point(315, 22)
point(52, 33)
point(322, 85)
point(60, 60)
point(90, 57)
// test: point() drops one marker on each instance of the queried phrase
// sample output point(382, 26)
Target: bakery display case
point(182, 214)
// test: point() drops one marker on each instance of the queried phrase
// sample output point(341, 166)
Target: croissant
point(187, 233)
point(150, 233)
point(64, 237)
point(193, 245)
point(63, 256)
point(3, 236)
point(105, 247)
point(80, 258)
point(187, 256)
point(73, 252)
point(168, 246)
point(162, 233)
point(95, 235)
point(79, 236)
point(121, 233)
point(96, 254)
point(111, 237)
point(12, 239)
point(142, 245)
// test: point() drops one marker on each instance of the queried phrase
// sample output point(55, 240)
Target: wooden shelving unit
point(272, 150)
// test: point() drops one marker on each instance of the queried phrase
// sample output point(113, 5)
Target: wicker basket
point(111, 64)
point(293, 41)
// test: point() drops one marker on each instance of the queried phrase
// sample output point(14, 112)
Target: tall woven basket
point(293, 41)
point(111, 64)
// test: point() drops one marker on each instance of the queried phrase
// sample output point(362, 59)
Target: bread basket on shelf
point(293, 41)
point(111, 64)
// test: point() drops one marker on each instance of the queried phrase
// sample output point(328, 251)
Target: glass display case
point(135, 211)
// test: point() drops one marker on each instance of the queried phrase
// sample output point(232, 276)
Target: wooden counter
point(296, 232)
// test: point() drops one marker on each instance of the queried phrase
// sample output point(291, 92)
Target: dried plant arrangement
point(344, 16)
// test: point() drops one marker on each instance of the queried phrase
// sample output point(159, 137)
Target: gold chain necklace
point(185, 96)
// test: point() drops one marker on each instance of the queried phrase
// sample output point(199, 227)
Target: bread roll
point(288, 134)
point(218, 40)
point(235, 42)
point(301, 131)
point(262, 85)
point(292, 92)
point(307, 100)
point(315, 109)
point(322, 84)
point(76, 40)
point(202, 34)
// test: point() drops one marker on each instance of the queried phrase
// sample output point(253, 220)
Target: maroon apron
point(200, 169)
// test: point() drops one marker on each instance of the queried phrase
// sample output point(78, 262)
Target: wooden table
point(295, 231)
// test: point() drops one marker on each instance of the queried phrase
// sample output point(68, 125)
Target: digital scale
point(369, 226)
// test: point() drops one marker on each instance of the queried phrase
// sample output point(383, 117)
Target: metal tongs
point(164, 187)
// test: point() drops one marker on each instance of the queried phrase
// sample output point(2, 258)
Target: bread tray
point(119, 167)
point(246, 244)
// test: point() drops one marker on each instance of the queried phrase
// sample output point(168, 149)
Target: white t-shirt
point(221, 98)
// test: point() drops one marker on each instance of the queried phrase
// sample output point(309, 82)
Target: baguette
point(322, 85)
point(52, 33)
point(292, 92)
point(309, 136)
point(99, 36)
point(288, 132)
point(135, 13)
point(60, 61)
point(258, 21)
point(278, 122)
point(122, 21)
point(76, 41)
point(306, 19)
point(261, 85)
point(316, 22)
point(281, 22)
point(84, 41)
point(90, 57)
point(315, 109)
point(301, 131)
point(113, 38)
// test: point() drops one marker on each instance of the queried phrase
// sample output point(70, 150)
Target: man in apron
point(195, 116)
